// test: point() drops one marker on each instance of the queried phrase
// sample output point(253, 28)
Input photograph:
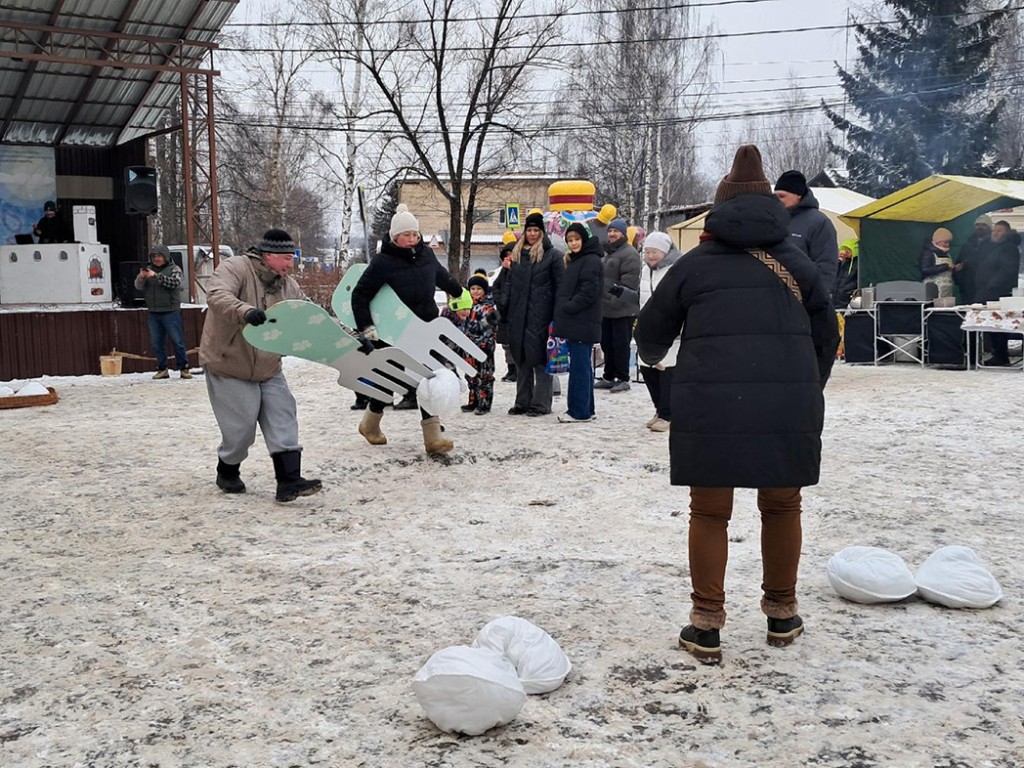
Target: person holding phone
point(160, 282)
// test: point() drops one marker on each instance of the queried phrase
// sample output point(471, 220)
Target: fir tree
point(921, 89)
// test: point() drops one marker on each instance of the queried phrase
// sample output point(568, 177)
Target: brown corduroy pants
point(781, 539)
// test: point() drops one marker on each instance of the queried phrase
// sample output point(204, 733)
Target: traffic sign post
point(512, 215)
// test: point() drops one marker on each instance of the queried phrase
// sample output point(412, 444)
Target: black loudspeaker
point(140, 197)
point(859, 338)
point(946, 343)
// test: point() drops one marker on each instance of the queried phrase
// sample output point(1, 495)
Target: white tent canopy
point(833, 201)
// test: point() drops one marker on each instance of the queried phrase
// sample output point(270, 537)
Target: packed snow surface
point(149, 619)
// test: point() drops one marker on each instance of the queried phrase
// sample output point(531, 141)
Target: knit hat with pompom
point(403, 221)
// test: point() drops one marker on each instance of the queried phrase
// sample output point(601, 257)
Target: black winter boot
point(407, 403)
point(290, 482)
point(228, 479)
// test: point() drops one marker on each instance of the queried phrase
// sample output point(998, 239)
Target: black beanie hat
point(746, 176)
point(535, 220)
point(792, 181)
point(277, 241)
point(580, 229)
point(480, 280)
point(49, 205)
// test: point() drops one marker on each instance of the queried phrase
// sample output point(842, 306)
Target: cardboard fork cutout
point(398, 325)
point(303, 329)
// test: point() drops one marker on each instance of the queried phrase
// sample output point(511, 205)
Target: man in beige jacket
point(246, 385)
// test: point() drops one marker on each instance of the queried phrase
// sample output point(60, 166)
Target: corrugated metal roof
point(66, 103)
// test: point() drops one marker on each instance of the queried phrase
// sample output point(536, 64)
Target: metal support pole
point(186, 165)
point(212, 170)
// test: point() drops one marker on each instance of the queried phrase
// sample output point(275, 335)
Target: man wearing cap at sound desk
point(813, 232)
point(51, 228)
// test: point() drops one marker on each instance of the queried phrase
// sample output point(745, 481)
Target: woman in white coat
point(660, 253)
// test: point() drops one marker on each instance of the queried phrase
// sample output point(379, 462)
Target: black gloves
point(255, 316)
point(616, 290)
point(365, 345)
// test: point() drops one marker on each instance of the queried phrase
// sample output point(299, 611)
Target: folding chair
point(899, 331)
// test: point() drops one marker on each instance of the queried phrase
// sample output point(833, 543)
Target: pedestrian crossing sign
point(512, 215)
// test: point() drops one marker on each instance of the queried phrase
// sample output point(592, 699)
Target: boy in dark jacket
point(474, 314)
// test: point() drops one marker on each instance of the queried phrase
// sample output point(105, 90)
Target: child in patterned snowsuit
point(479, 321)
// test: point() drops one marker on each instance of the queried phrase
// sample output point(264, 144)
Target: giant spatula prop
point(398, 325)
point(303, 329)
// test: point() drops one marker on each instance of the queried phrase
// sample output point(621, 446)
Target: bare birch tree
point(451, 78)
point(643, 93)
point(266, 154)
point(336, 36)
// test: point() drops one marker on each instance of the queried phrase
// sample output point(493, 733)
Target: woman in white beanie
point(413, 272)
point(660, 253)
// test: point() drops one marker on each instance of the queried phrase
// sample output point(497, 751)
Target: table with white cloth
point(992, 320)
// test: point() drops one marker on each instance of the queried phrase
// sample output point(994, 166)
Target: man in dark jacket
point(970, 257)
point(815, 234)
point(618, 309)
point(51, 228)
point(160, 282)
point(527, 299)
point(413, 272)
point(747, 405)
point(578, 317)
point(997, 276)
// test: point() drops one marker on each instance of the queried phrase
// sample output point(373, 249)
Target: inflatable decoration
point(568, 201)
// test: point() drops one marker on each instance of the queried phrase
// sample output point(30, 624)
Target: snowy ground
point(149, 620)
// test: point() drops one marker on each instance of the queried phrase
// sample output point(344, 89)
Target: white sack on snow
point(439, 394)
point(870, 575)
point(32, 389)
point(539, 660)
point(955, 577)
point(468, 690)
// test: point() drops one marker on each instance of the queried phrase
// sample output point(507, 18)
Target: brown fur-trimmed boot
point(433, 440)
point(369, 428)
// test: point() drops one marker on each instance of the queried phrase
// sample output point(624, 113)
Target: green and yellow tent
point(893, 228)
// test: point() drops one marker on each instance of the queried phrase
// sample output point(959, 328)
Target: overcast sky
point(748, 68)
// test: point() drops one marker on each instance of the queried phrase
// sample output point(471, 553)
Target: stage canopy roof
point(99, 72)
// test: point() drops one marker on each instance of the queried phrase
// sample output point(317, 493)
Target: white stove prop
point(63, 273)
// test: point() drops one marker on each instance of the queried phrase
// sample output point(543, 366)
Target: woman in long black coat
point(528, 301)
point(578, 317)
point(747, 406)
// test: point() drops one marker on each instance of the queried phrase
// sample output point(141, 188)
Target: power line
point(466, 19)
point(664, 39)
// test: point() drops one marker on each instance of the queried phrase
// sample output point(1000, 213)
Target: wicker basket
point(13, 401)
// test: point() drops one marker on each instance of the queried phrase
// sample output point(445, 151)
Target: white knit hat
point(403, 221)
point(658, 241)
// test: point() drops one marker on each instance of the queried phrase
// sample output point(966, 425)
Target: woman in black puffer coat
point(413, 272)
point(528, 301)
point(578, 317)
point(747, 406)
